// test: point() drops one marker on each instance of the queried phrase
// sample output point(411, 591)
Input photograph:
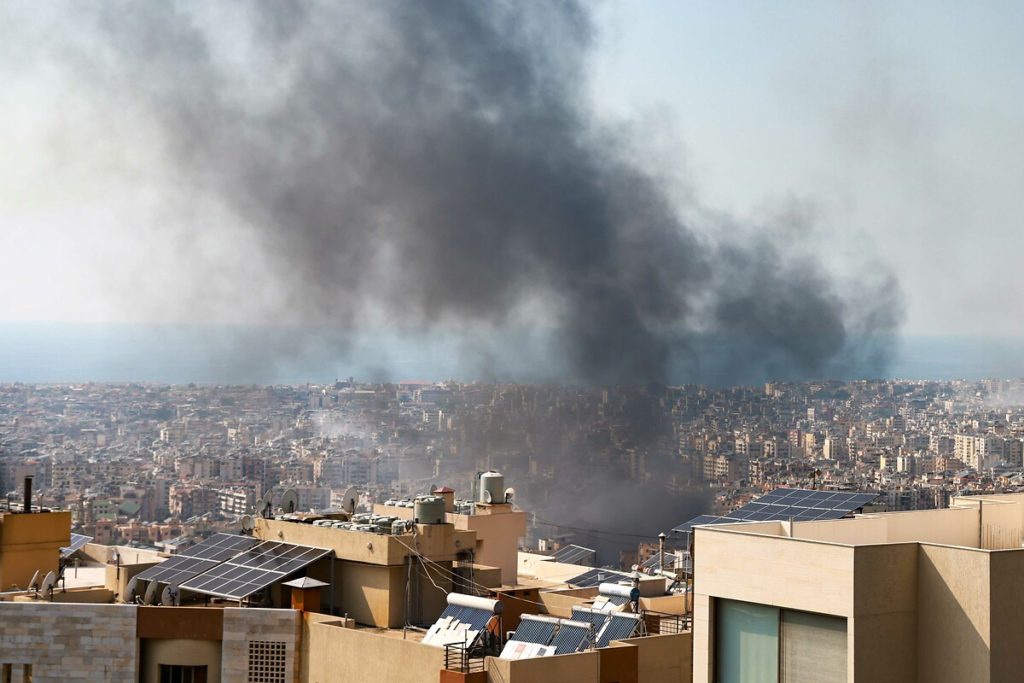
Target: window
point(267, 661)
point(764, 644)
point(176, 673)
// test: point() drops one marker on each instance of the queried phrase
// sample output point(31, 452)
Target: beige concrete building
point(367, 606)
point(909, 596)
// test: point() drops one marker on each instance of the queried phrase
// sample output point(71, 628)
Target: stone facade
point(66, 642)
point(252, 647)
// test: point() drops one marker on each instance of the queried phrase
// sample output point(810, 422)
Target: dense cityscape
point(149, 465)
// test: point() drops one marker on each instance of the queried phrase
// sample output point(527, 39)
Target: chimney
point(28, 494)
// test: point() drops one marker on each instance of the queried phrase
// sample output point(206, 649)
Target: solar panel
point(595, 577)
point(618, 627)
point(198, 559)
point(595, 618)
point(535, 630)
point(782, 504)
point(254, 569)
point(461, 622)
point(78, 542)
point(572, 554)
point(571, 637)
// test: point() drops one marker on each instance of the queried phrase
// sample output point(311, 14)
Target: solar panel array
point(198, 559)
point(782, 504)
point(595, 577)
point(619, 626)
point(78, 542)
point(254, 569)
point(534, 630)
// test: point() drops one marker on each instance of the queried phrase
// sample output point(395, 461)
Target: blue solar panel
point(784, 504)
point(571, 638)
point(619, 626)
point(533, 630)
point(591, 616)
point(78, 541)
point(595, 577)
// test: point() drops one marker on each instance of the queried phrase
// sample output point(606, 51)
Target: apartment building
point(929, 595)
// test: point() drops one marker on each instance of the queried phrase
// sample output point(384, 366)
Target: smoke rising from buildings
point(417, 166)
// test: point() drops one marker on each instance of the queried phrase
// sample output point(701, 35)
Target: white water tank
point(429, 510)
point(492, 487)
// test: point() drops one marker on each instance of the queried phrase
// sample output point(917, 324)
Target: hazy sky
point(897, 125)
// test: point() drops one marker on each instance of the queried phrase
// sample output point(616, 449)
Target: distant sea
point(61, 352)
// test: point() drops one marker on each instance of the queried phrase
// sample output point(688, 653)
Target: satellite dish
point(290, 500)
point(150, 597)
point(349, 498)
point(266, 505)
point(510, 493)
point(487, 496)
point(33, 585)
point(169, 596)
point(129, 591)
point(248, 523)
point(48, 583)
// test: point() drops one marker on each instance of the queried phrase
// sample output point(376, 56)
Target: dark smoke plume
point(437, 164)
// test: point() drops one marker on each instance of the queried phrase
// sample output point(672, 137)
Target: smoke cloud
point(418, 166)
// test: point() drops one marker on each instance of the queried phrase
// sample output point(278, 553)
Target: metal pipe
point(28, 495)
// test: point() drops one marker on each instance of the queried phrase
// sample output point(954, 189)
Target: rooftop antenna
point(290, 500)
point(248, 524)
point(48, 583)
point(33, 585)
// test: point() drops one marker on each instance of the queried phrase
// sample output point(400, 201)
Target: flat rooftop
point(985, 522)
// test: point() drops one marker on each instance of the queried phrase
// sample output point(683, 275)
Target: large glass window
point(748, 643)
point(764, 644)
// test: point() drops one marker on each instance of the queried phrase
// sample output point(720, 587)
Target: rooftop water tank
point(492, 487)
point(429, 510)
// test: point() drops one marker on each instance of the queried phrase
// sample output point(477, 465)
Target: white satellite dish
point(290, 500)
point(266, 504)
point(150, 597)
point(33, 585)
point(48, 583)
point(487, 496)
point(349, 499)
point(129, 591)
point(169, 596)
point(248, 523)
point(510, 494)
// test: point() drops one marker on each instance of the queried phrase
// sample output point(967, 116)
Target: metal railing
point(458, 658)
point(667, 624)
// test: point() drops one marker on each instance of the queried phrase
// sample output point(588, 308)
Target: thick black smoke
point(438, 164)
